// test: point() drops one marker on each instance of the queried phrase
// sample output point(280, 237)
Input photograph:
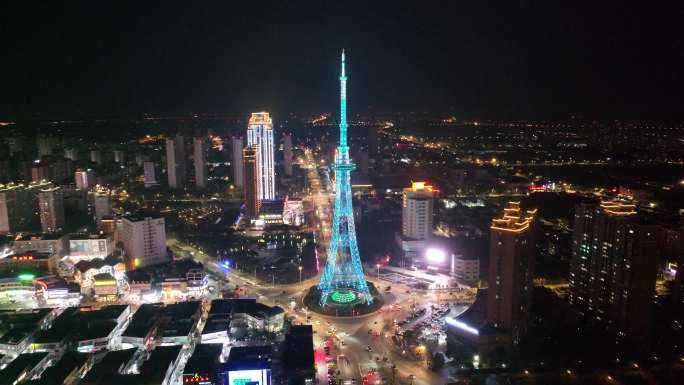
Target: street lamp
point(300, 274)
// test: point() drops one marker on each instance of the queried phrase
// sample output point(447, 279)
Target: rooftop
point(248, 357)
point(618, 208)
point(56, 374)
point(25, 237)
point(261, 117)
point(244, 305)
point(143, 320)
point(298, 350)
point(514, 219)
point(109, 366)
point(204, 359)
point(21, 363)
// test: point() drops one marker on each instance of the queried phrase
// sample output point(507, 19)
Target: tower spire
point(343, 151)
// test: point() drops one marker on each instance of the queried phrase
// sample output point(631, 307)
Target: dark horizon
point(548, 61)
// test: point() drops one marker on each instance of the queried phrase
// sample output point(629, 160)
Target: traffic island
point(343, 302)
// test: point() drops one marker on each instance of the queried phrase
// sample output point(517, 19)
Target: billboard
point(249, 377)
point(89, 247)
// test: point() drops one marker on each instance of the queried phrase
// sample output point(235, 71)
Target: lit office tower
point(51, 209)
point(614, 266)
point(85, 179)
point(260, 132)
point(100, 205)
point(251, 187)
point(511, 268)
point(417, 211)
point(150, 174)
point(144, 240)
point(287, 153)
point(200, 161)
point(175, 161)
point(238, 164)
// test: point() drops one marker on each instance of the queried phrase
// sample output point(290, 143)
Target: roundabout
point(343, 302)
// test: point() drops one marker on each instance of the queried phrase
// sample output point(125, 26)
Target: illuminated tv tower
point(343, 280)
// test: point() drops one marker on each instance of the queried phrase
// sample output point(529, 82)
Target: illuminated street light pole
point(300, 274)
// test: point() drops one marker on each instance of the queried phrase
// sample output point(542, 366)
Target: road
point(350, 338)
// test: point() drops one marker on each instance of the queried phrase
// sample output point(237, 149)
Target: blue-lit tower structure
point(343, 280)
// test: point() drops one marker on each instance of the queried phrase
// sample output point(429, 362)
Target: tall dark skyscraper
point(511, 269)
point(287, 153)
point(251, 188)
point(175, 161)
point(613, 267)
point(200, 161)
point(238, 164)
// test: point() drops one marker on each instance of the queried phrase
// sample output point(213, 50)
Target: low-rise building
point(90, 246)
point(247, 313)
point(203, 366)
point(143, 327)
point(298, 355)
point(466, 269)
point(246, 365)
point(34, 262)
point(54, 291)
point(23, 367)
point(53, 244)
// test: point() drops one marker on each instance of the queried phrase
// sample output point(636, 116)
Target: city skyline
point(488, 194)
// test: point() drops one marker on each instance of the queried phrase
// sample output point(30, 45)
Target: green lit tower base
point(343, 281)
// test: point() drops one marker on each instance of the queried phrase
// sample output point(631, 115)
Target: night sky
point(528, 60)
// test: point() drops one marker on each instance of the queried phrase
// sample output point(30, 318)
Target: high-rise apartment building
point(614, 266)
point(287, 153)
point(150, 173)
point(71, 153)
point(119, 156)
point(175, 161)
point(238, 164)
point(84, 179)
point(96, 156)
point(19, 210)
point(51, 209)
point(100, 205)
point(44, 144)
point(40, 171)
point(144, 240)
point(417, 211)
point(260, 132)
point(251, 187)
point(200, 162)
point(511, 269)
